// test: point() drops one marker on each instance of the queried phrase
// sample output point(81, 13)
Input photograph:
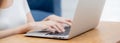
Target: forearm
point(18, 30)
point(29, 17)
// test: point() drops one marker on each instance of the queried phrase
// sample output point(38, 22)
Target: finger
point(57, 29)
point(69, 20)
point(69, 23)
point(66, 21)
point(52, 30)
point(61, 28)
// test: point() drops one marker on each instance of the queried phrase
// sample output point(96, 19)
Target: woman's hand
point(58, 19)
point(51, 26)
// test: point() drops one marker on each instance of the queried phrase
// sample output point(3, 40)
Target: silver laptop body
point(87, 17)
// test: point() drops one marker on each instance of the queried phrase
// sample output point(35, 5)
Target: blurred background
point(111, 11)
point(66, 8)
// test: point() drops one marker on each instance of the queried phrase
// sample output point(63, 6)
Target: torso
point(13, 16)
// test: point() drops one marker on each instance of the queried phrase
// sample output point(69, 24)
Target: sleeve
point(26, 7)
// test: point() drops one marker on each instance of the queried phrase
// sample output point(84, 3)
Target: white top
point(15, 15)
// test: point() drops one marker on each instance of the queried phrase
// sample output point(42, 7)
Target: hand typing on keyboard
point(53, 23)
point(55, 31)
point(60, 20)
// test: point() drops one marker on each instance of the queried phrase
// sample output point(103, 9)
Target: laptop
point(86, 17)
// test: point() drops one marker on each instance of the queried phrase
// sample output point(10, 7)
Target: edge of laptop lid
point(87, 16)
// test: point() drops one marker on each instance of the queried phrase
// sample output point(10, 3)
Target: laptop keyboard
point(67, 30)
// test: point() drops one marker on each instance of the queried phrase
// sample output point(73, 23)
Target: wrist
point(23, 29)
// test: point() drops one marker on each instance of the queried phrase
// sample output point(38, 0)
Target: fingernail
point(60, 31)
point(63, 30)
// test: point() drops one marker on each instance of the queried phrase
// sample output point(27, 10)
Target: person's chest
point(11, 20)
point(13, 16)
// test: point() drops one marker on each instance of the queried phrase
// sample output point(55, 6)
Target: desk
point(106, 32)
